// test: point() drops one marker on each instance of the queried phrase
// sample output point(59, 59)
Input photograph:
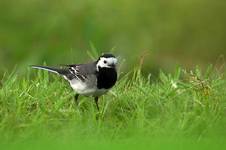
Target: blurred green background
point(184, 32)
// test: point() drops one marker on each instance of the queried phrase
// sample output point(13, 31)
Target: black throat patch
point(106, 78)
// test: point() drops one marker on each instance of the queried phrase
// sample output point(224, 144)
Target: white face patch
point(109, 62)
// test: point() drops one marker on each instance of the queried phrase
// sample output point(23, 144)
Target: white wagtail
point(91, 79)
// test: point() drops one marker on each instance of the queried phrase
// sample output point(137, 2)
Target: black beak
point(112, 65)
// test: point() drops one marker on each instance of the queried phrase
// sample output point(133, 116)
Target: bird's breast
point(86, 89)
point(106, 78)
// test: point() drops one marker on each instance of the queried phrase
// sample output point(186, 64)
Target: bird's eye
point(105, 61)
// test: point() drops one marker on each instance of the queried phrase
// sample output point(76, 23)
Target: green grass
point(183, 110)
point(173, 32)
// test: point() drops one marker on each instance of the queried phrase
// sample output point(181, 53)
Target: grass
point(183, 110)
point(174, 32)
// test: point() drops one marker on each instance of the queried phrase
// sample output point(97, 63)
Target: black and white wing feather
point(82, 71)
point(70, 72)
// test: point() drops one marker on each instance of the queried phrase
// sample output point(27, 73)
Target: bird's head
point(106, 61)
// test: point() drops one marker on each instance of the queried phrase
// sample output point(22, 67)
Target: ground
point(184, 110)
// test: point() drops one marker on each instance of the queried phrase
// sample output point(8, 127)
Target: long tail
point(50, 69)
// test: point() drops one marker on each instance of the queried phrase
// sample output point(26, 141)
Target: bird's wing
point(82, 71)
point(70, 72)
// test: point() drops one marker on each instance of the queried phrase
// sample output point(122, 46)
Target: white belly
point(83, 89)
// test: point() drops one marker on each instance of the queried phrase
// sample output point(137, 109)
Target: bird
point(90, 79)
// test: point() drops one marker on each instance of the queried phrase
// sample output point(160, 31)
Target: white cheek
point(101, 64)
point(110, 61)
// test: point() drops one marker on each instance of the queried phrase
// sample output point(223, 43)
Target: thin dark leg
point(96, 101)
point(76, 98)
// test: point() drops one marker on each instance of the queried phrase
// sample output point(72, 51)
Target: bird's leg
point(76, 98)
point(96, 101)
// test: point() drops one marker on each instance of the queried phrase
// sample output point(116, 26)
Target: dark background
point(170, 33)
